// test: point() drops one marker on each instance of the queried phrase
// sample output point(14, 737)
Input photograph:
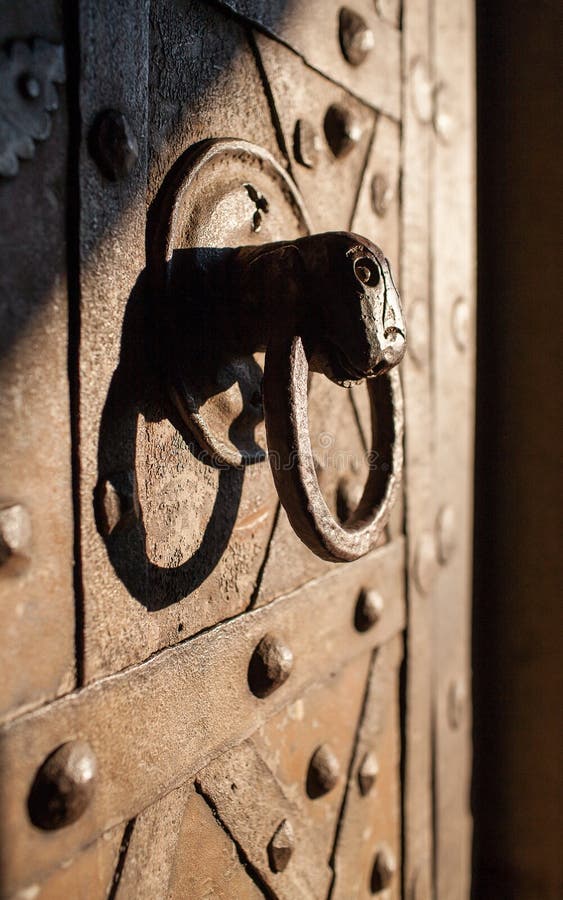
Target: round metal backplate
point(224, 193)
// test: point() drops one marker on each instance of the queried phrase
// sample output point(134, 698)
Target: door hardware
point(322, 303)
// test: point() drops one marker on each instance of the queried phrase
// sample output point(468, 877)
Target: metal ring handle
point(293, 468)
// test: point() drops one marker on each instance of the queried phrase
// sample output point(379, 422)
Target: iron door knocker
point(238, 273)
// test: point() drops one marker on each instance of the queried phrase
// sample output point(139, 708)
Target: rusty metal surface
point(339, 446)
point(302, 99)
point(371, 811)
point(340, 449)
point(256, 816)
point(251, 804)
point(181, 708)
point(87, 876)
point(313, 30)
point(291, 693)
point(193, 557)
point(152, 842)
point(217, 317)
point(308, 747)
point(258, 825)
point(36, 531)
point(207, 863)
point(262, 793)
point(200, 57)
point(365, 340)
point(112, 256)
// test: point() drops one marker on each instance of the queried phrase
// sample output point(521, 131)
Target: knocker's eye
point(366, 270)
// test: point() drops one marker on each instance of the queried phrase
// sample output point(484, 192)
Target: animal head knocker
point(354, 326)
point(335, 290)
point(325, 303)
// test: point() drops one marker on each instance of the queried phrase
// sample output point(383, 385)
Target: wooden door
point(195, 703)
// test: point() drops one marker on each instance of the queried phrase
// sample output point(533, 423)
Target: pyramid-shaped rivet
point(384, 868)
point(324, 771)
point(281, 846)
point(368, 772)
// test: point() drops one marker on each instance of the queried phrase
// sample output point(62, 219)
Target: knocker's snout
point(392, 338)
point(360, 329)
point(392, 351)
point(383, 339)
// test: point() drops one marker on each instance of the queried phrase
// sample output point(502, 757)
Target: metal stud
point(456, 703)
point(384, 868)
point(425, 562)
point(113, 145)
point(368, 772)
point(446, 537)
point(460, 323)
point(15, 538)
point(369, 609)
point(381, 194)
point(270, 665)
point(356, 39)
point(306, 144)
point(116, 502)
point(443, 115)
point(64, 786)
point(342, 129)
point(324, 771)
point(280, 848)
point(422, 91)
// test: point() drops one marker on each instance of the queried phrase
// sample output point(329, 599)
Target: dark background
point(518, 624)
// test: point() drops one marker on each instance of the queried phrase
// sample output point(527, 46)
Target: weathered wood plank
point(415, 291)
point(453, 272)
point(371, 815)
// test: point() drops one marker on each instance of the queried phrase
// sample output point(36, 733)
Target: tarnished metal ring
point(292, 462)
